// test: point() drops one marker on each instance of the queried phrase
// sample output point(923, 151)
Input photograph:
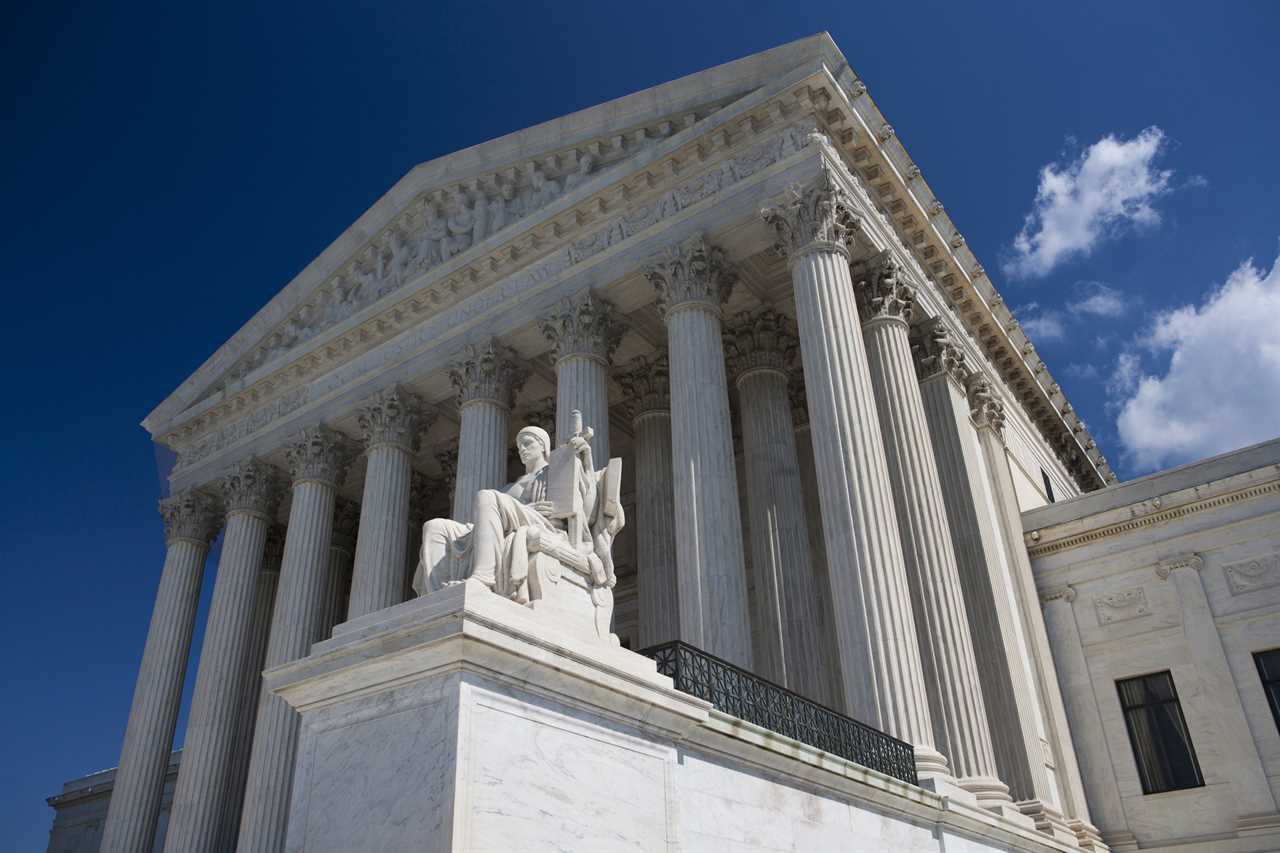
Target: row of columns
point(904, 583)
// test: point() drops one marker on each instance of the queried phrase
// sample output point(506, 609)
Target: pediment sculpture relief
point(544, 541)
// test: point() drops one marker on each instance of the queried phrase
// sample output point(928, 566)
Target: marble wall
point(1182, 574)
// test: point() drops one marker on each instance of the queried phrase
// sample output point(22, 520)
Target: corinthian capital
point(936, 352)
point(647, 384)
point(251, 486)
point(814, 217)
point(488, 372)
point(392, 416)
point(694, 273)
point(319, 453)
point(583, 325)
point(984, 406)
point(883, 291)
point(190, 515)
point(764, 340)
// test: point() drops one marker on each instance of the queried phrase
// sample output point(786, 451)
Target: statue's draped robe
point(493, 549)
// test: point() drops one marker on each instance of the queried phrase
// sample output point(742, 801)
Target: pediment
point(443, 208)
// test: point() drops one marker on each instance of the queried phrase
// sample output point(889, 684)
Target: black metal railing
point(734, 691)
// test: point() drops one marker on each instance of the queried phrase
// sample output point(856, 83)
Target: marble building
point(811, 423)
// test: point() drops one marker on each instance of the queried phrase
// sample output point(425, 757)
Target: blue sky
point(168, 168)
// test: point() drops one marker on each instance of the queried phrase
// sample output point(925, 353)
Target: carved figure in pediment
point(461, 222)
point(401, 252)
point(432, 239)
point(545, 540)
point(544, 190)
point(480, 218)
point(585, 164)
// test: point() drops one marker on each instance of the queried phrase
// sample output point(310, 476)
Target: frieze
point(241, 429)
point(1121, 606)
point(1254, 574)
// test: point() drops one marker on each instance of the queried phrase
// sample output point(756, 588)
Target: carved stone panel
point(1121, 606)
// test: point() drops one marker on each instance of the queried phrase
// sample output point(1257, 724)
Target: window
point(1269, 669)
point(1048, 485)
point(1158, 733)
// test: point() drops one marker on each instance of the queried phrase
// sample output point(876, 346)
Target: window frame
point(1174, 700)
point(1273, 697)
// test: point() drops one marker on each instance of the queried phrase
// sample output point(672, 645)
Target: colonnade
point(922, 627)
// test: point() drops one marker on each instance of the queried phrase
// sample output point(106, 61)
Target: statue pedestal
point(462, 721)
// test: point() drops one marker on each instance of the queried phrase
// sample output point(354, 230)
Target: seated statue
point(544, 541)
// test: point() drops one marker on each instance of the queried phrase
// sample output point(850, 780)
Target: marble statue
point(545, 540)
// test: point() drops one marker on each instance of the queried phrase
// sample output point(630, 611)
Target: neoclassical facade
point(829, 422)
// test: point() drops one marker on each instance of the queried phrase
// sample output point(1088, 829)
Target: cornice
point(1145, 514)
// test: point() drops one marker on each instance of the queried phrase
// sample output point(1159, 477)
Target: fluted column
point(585, 332)
point(421, 489)
point(875, 630)
point(647, 385)
point(250, 689)
point(762, 349)
point(391, 422)
point(318, 458)
point(251, 493)
point(342, 555)
point(485, 379)
point(1041, 797)
point(956, 707)
point(191, 521)
point(693, 281)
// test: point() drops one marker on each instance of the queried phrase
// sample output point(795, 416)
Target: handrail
point(745, 695)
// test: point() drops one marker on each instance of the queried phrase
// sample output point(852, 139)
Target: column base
point(1088, 837)
point(1264, 823)
point(1120, 842)
point(993, 795)
point(1048, 820)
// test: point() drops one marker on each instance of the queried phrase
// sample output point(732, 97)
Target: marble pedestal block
point(461, 721)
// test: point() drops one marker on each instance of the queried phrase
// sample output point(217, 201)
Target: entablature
point(629, 182)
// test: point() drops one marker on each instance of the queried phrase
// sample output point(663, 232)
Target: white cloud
point(1221, 389)
point(1078, 204)
point(1040, 325)
point(1099, 300)
point(1085, 372)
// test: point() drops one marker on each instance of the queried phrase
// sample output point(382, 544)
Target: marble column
point(251, 493)
point(250, 689)
point(943, 371)
point(886, 302)
point(693, 281)
point(585, 333)
point(485, 379)
point(824, 610)
point(762, 350)
point(1251, 794)
point(191, 521)
point(421, 489)
point(1042, 798)
point(647, 385)
point(875, 630)
point(1073, 674)
point(342, 556)
point(391, 422)
point(318, 458)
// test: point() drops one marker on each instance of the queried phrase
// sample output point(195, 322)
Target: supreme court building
point(878, 609)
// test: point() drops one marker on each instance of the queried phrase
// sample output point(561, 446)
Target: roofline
point(1190, 475)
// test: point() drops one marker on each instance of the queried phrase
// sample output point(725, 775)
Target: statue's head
point(533, 443)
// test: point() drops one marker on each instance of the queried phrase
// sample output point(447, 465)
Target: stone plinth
point(461, 721)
